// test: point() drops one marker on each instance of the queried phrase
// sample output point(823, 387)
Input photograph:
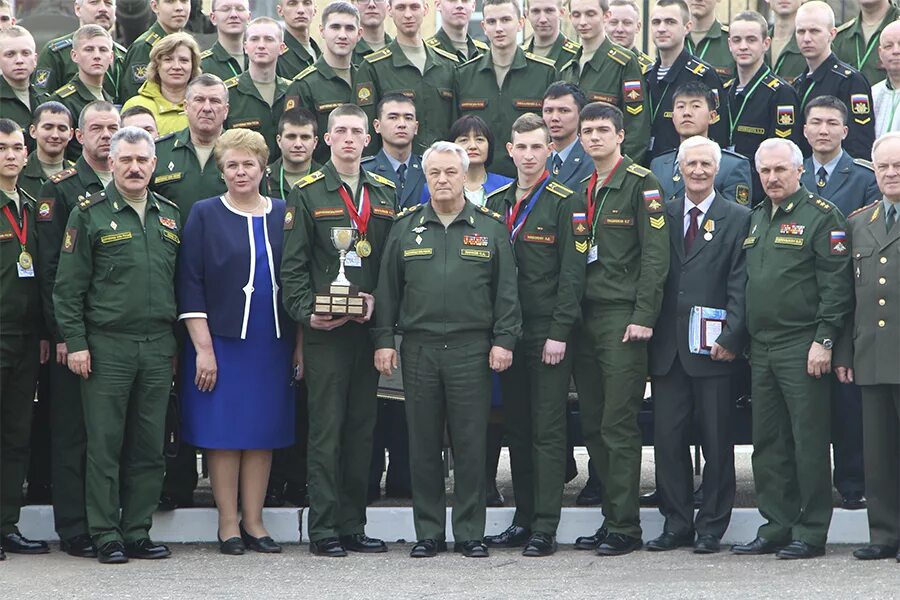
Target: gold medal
point(25, 260)
point(363, 248)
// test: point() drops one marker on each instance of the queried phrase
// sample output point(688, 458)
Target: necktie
point(890, 216)
point(692, 229)
point(821, 177)
point(557, 164)
point(401, 176)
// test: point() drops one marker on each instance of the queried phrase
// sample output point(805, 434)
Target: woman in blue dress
point(236, 375)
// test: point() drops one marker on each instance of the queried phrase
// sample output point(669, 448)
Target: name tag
point(618, 221)
point(168, 235)
point(471, 253)
point(528, 104)
point(418, 252)
point(539, 238)
point(167, 178)
point(247, 124)
point(473, 105)
point(783, 240)
point(328, 213)
point(115, 237)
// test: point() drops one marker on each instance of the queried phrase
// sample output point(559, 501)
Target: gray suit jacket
point(734, 180)
point(411, 194)
point(851, 185)
point(713, 274)
point(576, 167)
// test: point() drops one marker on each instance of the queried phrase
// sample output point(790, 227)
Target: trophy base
point(340, 301)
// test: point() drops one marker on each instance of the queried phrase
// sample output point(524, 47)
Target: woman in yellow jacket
point(174, 62)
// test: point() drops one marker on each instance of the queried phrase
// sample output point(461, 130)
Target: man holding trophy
point(336, 224)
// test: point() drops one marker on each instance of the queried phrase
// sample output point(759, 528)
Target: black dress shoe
point(540, 544)
point(471, 549)
point(147, 549)
point(264, 544)
point(853, 501)
point(706, 544)
point(112, 553)
point(670, 541)
point(79, 546)
point(513, 537)
point(330, 547)
point(16, 543)
point(233, 546)
point(798, 549)
point(590, 542)
point(875, 552)
point(617, 544)
point(360, 542)
point(591, 494)
point(757, 546)
point(427, 548)
point(649, 499)
point(494, 497)
point(274, 496)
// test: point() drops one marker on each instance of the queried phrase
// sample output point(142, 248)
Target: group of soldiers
point(747, 141)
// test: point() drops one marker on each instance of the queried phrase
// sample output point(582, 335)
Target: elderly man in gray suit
point(707, 269)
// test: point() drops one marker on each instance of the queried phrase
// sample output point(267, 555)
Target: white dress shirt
point(703, 206)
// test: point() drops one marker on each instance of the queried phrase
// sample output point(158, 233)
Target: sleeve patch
point(45, 210)
point(289, 218)
point(69, 240)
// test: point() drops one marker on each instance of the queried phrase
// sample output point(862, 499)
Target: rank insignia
point(364, 94)
point(41, 76)
point(875, 213)
point(579, 223)
point(653, 200)
point(168, 223)
point(633, 91)
point(785, 114)
point(69, 240)
point(113, 225)
point(859, 103)
point(582, 246)
point(839, 242)
point(419, 229)
point(45, 210)
point(289, 218)
point(792, 229)
point(657, 222)
point(742, 194)
point(475, 239)
point(290, 103)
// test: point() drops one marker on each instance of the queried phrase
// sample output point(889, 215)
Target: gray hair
point(891, 135)
point(772, 143)
point(698, 141)
point(206, 80)
point(442, 147)
point(131, 135)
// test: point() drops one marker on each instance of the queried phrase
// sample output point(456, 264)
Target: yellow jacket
point(169, 117)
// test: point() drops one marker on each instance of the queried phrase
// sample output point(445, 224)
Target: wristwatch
point(827, 343)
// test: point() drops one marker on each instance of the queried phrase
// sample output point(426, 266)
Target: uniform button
point(881, 323)
point(881, 302)
point(882, 280)
point(883, 259)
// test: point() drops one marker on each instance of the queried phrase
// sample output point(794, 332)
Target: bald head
point(889, 51)
point(814, 30)
point(885, 160)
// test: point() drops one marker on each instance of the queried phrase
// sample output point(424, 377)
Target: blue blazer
point(851, 185)
point(493, 182)
point(412, 192)
point(576, 167)
point(214, 266)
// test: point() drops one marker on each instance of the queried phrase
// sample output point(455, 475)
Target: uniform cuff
point(383, 340)
point(559, 333)
point(505, 341)
point(643, 319)
point(76, 344)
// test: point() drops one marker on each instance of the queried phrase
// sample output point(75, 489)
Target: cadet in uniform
point(550, 261)
point(609, 73)
point(21, 349)
point(17, 97)
point(547, 41)
point(784, 54)
point(372, 36)
point(338, 351)
point(708, 39)
point(171, 16)
point(115, 306)
point(226, 58)
point(627, 264)
point(453, 35)
point(52, 129)
point(856, 42)
point(297, 138)
point(503, 83)
point(448, 282)
point(797, 249)
point(622, 27)
point(300, 50)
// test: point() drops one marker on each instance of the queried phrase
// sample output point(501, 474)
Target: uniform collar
point(447, 44)
point(760, 73)
point(86, 174)
point(823, 69)
point(399, 58)
point(7, 91)
point(85, 94)
point(328, 72)
point(598, 60)
point(619, 174)
point(221, 54)
point(829, 166)
point(889, 16)
point(24, 198)
point(560, 40)
point(118, 203)
point(487, 62)
point(294, 45)
point(33, 168)
point(672, 73)
point(466, 215)
point(789, 204)
point(245, 84)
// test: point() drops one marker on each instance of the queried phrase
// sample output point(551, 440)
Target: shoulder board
point(58, 45)
point(367, 159)
point(724, 28)
point(65, 91)
point(500, 189)
point(636, 169)
point(823, 205)
point(842, 69)
point(152, 38)
point(481, 45)
point(772, 81)
point(165, 200)
point(232, 82)
point(472, 60)
point(847, 25)
point(163, 138)
point(587, 178)
point(864, 164)
point(445, 54)
point(728, 83)
point(378, 55)
point(696, 67)
point(567, 64)
point(620, 56)
point(432, 42)
point(310, 69)
point(864, 208)
point(727, 152)
point(540, 59)
point(63, 175)
point(490, 213)
point(206, 53)
point(92, 200)
point(381, 180)
point(571, 47)
point(119, 47)
point(311, 178)
point(559, 189)
point(408, 211)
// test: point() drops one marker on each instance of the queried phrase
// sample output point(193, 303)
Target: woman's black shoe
point(233, 546)
point(263, 544)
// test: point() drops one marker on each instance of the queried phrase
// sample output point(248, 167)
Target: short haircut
point(890, 135)
point(15, 31)
point(772, 143)
point(632, 3)
point(442, 147)
point(135, 110)
point(348, 110)
point(602, 110)
point(751, 16)
point(695, 89)
point(339, 7)
point(298, 117)
point(54, 108)
point(698, 141)
point(96, 106)
point(818, 5)
point(827, 102)
point(131, 135)
point(89, 32)
point(564, 88)
point(468, 124)
point(681, 4)
point(9, 127)
point(501, 3)
point(529, 122)
point(242, 139)
point(206, 80)
point(265, 21)
point(394, 97)
point(167, 46)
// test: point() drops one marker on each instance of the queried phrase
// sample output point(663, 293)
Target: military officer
point(796, 249)
point(52, 129)
point(396, 124)
point(670, 21)
point(256, 98)
point(171, 16)
point(503, 83)
point(226, 58)
point(372, 36)
point(609, 73)
point(866, 352)
point(299, 50)
point(332, 80)
point(692, 113)
point(58, 198)
point(825, 75)
point(21, 349)
point(17, 62)
point(856, 42)
point(453, 34)
point(550, 261)
point(568, 162)
point(297, 138)
point(140, 116)
point(545, 17)
point(627, 264)
point(338, 351)
point(121, 344)
point(708, 39)
point(55, 66)
point(448, 282)
point(622, 27)
point(784, 54)
point(92, 52)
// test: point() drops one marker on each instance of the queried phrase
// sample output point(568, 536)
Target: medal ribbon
point(21, 232)
point(592, 184)
point(517, 214)
point(361, 218)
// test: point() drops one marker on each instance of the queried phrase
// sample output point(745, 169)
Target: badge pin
point(419, 239)
point(113, 226)
point(171, 166)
